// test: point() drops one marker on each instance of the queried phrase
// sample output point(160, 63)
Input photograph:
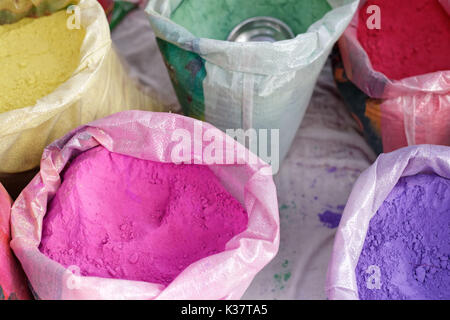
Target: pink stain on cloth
point(116, 216)
point(147, 139)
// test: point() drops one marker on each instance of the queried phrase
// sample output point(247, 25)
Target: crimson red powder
point(116, 216)
point(413, 39)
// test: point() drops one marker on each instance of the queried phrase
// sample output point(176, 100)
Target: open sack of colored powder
point(13, 284)
point(393, 238)
point(12, 11)
point(54, 78)
point(261, 85)
point(111, 216)
point(401, 72)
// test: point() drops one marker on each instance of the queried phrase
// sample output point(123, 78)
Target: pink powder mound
point(116, 216)
point(413, 39)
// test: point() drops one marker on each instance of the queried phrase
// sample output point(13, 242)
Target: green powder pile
point(216, 19)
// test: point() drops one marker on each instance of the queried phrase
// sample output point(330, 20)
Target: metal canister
point(266, 29)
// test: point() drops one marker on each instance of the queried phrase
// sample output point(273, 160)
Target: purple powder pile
point(330, 219)
point(407, 248)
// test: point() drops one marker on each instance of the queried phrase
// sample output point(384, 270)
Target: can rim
point(283, 25)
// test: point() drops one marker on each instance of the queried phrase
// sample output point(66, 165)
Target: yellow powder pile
point(36, 56)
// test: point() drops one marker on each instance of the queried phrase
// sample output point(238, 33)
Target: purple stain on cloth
point(407, 248)
point(330, 219)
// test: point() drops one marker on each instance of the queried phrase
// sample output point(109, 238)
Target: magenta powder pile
point(116, 216)
point(408, 242)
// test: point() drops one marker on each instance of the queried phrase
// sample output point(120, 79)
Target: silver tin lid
point(266, 29)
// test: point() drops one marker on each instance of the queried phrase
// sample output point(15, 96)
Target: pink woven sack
point(149, 136)
point(13, 284)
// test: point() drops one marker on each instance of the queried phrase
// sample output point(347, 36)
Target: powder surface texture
point(413, 39)
point(330, 219)
point(116, 216)
point(407, 248)
point(36, 56)
point(216, 19)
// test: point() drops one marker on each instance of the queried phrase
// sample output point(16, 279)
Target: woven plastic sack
point(147, 135)
point(414, 110)
point(257, 85)
point(13, 284)
point(368, 194)
point(99, 87)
